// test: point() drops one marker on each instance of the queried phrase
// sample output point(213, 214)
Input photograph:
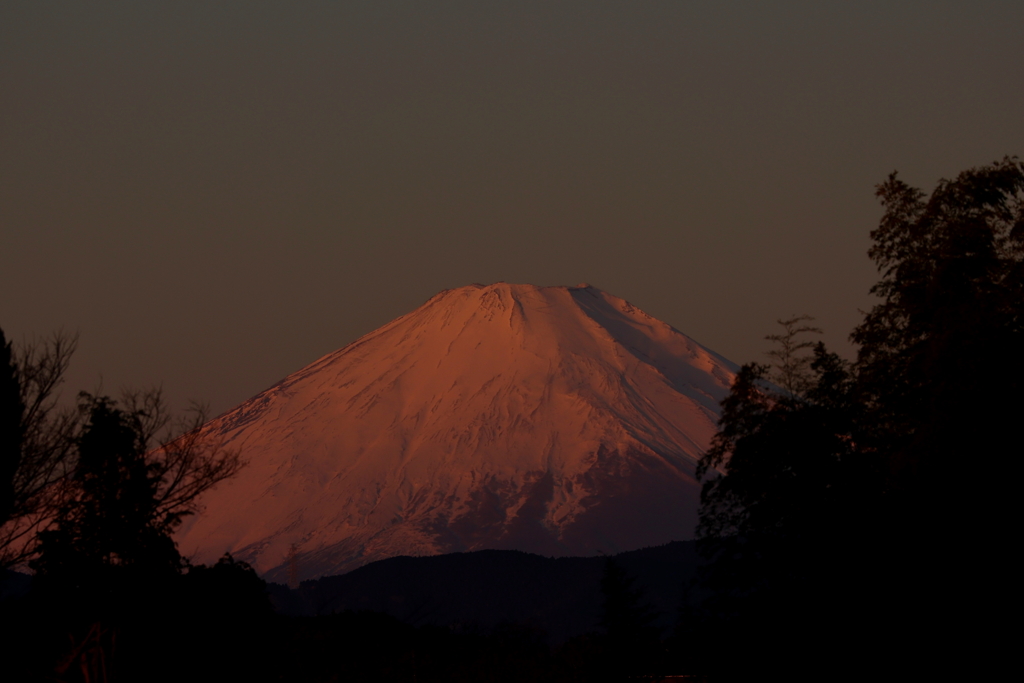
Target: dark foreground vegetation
point(856, 518)
point(863, 519)
point(489, 615)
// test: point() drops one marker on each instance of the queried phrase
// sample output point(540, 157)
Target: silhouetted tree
point(36, 440)
point(127, 497)
point(223, 622)
point(114, 519)
point(942, 374)
point(229, 587)
point(108, 575)
point(11, 412)
point(791, 363)
point(939, 358)
point(789, 495)
point(874, 498)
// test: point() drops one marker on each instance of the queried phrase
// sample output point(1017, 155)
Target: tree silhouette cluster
point(89, 499)
point(856, 515)
point(126, 493)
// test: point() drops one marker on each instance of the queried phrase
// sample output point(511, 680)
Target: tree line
point(856, 516)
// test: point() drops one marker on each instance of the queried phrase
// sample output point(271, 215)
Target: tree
point(129, 491)
point(36, 440)
point(941, 372)
point(786, 518)
point(783, 449)
point(791, 366)
point(112, 520)
point(90, 498)
point(11, 411)
point(881, 489)
point(939, 357)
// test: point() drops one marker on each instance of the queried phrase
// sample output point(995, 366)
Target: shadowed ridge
point(562, 596)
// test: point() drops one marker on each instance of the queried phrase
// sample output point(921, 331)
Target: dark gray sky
point(214, 194)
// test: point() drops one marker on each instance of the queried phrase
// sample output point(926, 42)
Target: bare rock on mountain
point(555, 420)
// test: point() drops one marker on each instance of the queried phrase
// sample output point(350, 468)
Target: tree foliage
point(127, 492)
point(942, 348)
point(90, 497)
point(790, 482)
point(934, 354)
point(815, 484)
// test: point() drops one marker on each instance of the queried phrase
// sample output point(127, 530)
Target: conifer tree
point(12, 412)
point(113, 520)
point(129, 491)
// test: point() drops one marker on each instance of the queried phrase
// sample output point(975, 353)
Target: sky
point(214, 194)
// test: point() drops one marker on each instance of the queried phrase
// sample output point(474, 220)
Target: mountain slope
point(554, 420)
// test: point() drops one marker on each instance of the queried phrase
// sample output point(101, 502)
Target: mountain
point(561, 596)
point(560, 421)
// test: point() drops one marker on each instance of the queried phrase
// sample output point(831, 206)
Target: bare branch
point(41, 365)
point(182, 460)
point(45, 455)
point(149, 412)
point(188, 461)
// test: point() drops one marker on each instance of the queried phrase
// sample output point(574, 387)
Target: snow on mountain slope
point(556, 420)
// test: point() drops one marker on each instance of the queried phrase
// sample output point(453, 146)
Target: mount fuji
point(554, 420)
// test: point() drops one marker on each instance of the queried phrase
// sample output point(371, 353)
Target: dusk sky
point(215, 194)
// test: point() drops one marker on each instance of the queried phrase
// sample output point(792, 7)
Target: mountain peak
point(558, 420)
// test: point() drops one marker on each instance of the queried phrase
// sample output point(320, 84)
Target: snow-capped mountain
point(556, 420)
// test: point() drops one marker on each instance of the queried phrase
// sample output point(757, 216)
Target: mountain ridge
point(486, 588)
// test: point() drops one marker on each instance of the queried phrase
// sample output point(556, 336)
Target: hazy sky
point(214, 194)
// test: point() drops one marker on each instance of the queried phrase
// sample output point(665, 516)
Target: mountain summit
point(555, 420)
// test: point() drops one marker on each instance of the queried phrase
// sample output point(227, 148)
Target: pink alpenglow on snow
point(555, 420)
